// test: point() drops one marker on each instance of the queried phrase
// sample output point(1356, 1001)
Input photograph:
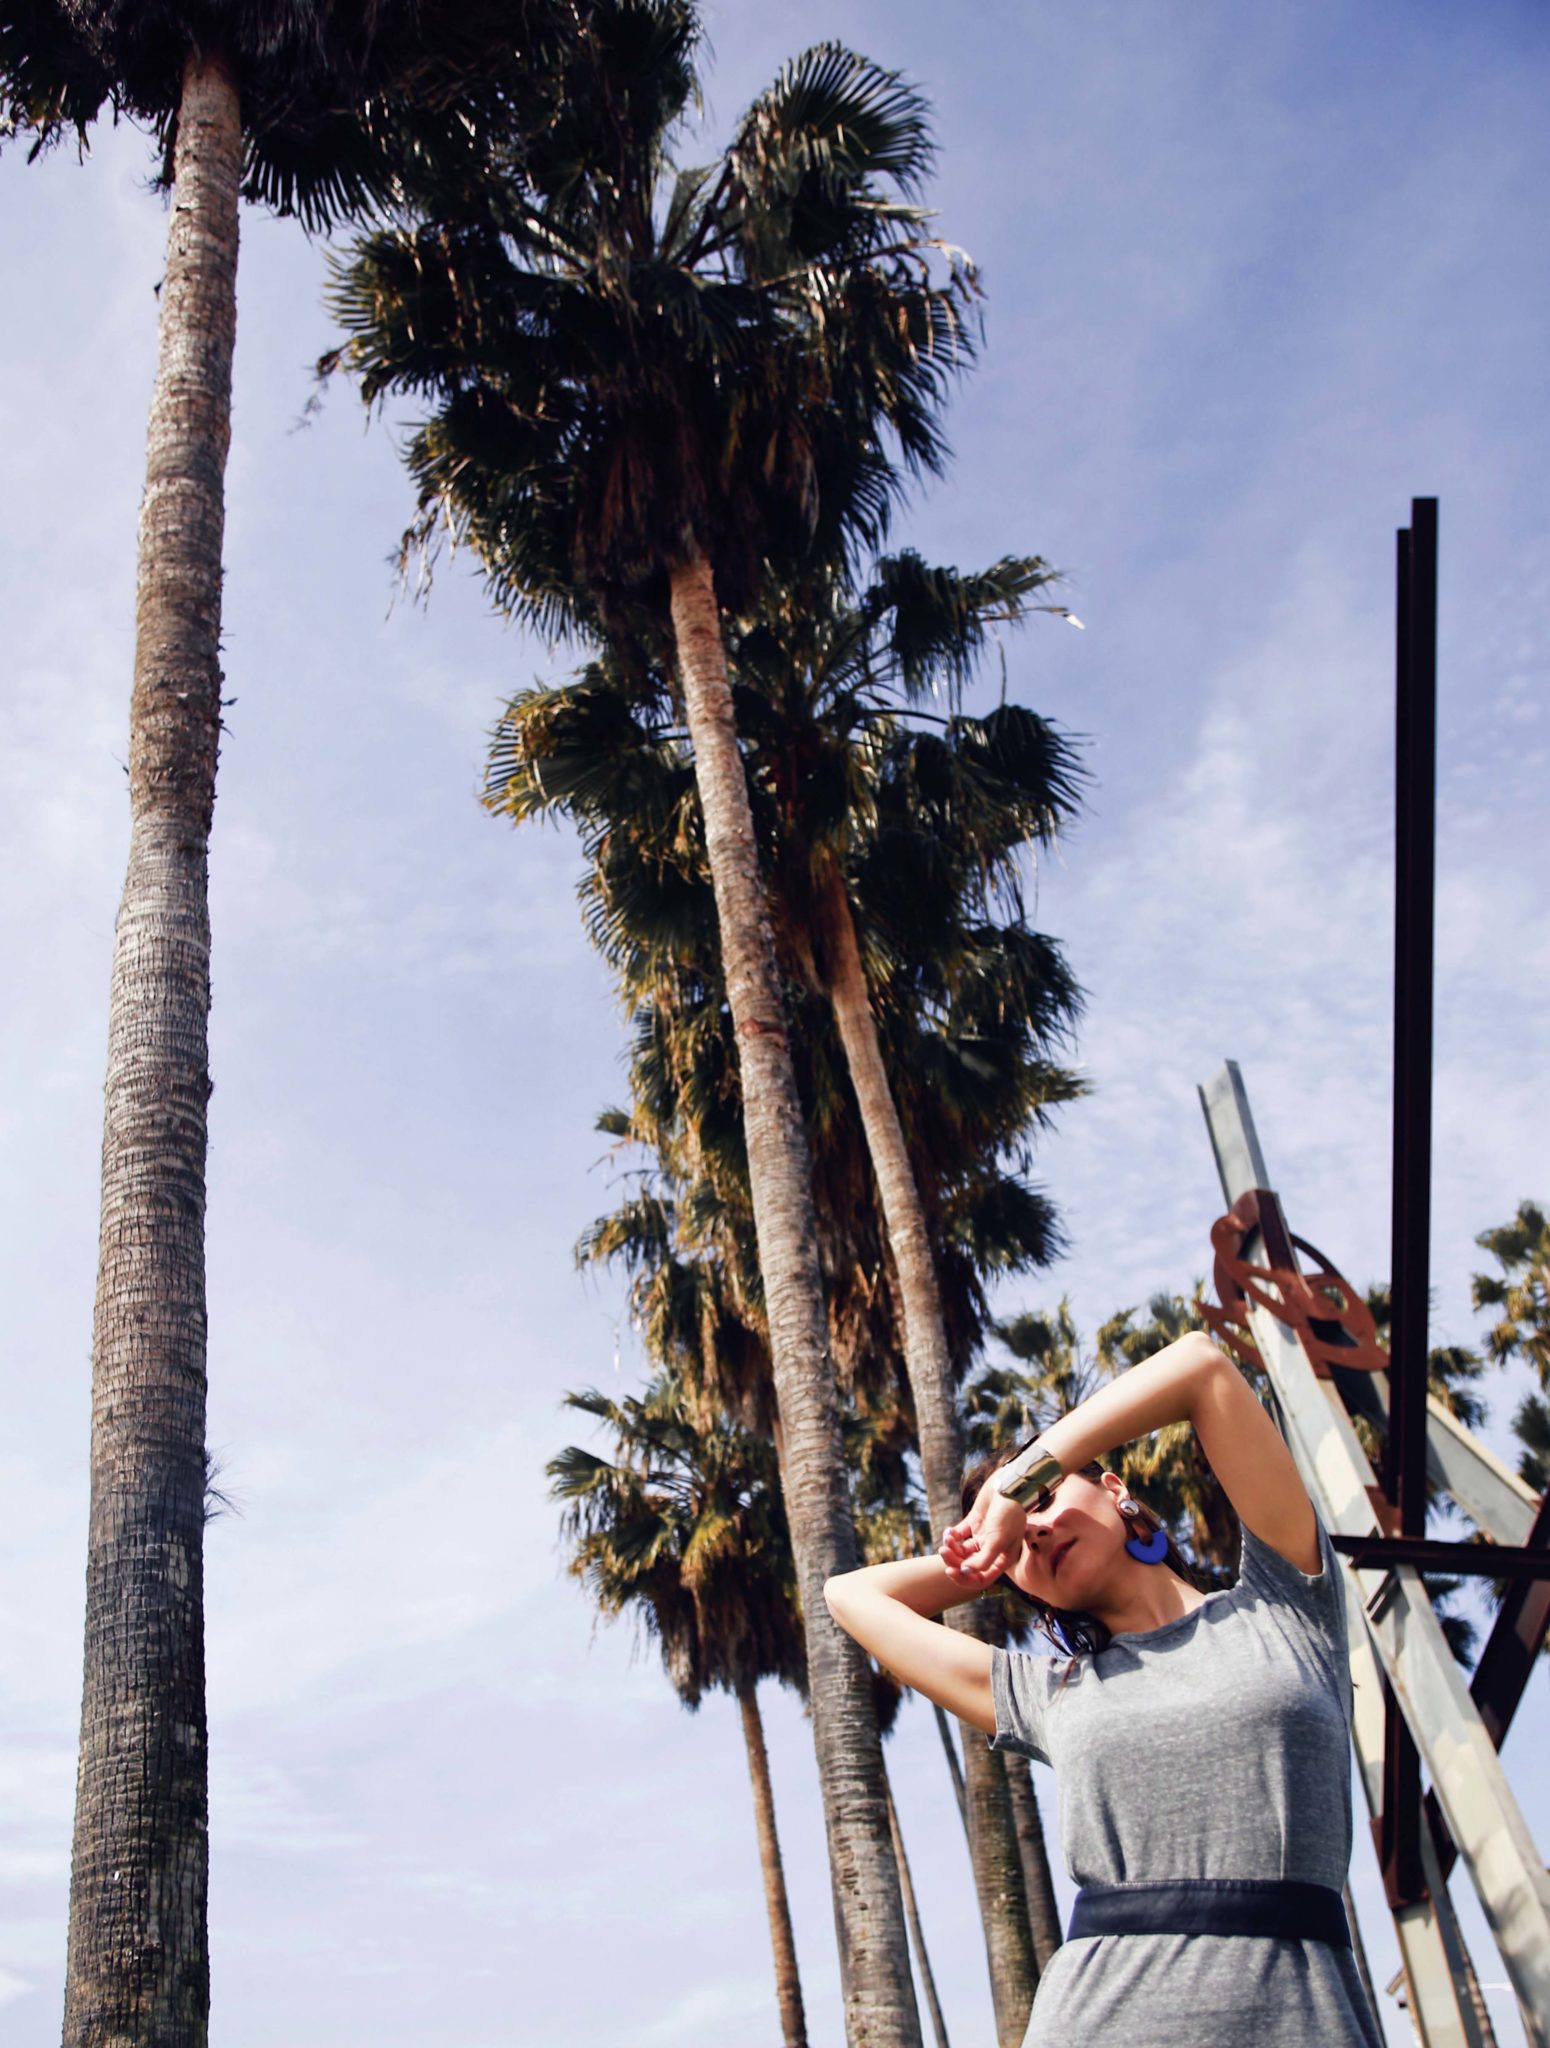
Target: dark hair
point(1074, 1632)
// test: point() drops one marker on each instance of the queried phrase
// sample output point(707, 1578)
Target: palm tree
point(316, 111)
point(1519, 1296)
point(967, 1010)
point(917, 1931)
point(826, 668)
point(679, 1244)
point(841, 789)
point(684, 1527)
point(650, 388)
point(686, 1307)
point(1003, 1406)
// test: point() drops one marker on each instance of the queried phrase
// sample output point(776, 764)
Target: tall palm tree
point(684, 1527)
point(648, 389)
point(317, 111)
point(846, 799)
point(827, 669)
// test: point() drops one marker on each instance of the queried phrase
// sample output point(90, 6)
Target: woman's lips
point(1058, 1553)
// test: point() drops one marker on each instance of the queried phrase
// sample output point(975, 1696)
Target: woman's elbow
point(836, 1592)
point(1206, 1357)
point(1214, 1380)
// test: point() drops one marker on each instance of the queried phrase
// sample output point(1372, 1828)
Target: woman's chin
point(1077, 1585)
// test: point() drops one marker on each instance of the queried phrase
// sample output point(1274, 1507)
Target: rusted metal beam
point(1514, 1642)
point(1398, 1825)
point(1476, 1560)
point(1505, 1667)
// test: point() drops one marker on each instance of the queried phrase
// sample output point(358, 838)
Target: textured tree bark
point(1039, 1883)
point(944, 1728)
point(788, 1981)
point(1043, 1913)
point(993, 1849)
point(1002, 1890)
point(138, 1965)
point(880, 2007)
point(917, 1932)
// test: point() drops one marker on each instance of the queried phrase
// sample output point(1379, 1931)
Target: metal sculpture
point(1317, 1343)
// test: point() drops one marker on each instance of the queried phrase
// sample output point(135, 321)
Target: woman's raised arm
point(890, 1610)
point(1188, 1381)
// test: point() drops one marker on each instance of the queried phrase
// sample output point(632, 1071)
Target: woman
point(1201, 1741)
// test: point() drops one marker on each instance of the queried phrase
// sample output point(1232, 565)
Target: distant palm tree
point(1053, 1374)
point(319, 111)
point(968, 1001)
point(845, 795)
point(829, 679)
point(684, 1528)
point(1519, 1297)
point(650, 387)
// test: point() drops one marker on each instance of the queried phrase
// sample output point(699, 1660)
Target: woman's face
point(1075, 1541)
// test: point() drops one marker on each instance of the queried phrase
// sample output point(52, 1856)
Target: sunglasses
point(1042, 1501)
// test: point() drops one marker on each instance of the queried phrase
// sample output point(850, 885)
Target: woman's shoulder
point(1305, 1606)
point(1024, 1687)
point(1263, 1570)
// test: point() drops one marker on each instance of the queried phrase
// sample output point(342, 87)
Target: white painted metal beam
point(1466, 1773)
point(1439, 2005)
point(1485, 1821)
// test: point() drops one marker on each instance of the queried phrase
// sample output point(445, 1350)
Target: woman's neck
point(1145, 1598)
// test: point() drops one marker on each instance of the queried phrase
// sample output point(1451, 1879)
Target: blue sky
point(1254, 278)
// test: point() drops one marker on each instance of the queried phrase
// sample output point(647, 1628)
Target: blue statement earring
point(1146, 1549)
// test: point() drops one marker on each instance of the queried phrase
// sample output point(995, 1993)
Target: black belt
point(1280, 1908)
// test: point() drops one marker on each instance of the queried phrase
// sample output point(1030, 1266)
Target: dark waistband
point(1281, 1908)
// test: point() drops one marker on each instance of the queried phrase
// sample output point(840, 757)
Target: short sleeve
point(1317, 1600)
point(1020, 1686)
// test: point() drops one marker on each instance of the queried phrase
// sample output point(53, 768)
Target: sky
point(1254, 278)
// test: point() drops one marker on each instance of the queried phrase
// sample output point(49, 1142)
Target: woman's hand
point(977, 1550)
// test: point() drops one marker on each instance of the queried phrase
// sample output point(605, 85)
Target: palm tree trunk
point(1043, 1913)
point(944, 1728)
point(993, 1848)
point(917, 1932)
point(138, 1966)
point(788, 1982)
point(880, 2007)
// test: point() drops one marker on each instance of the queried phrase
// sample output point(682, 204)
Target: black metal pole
point(1415, 809)
point(1414, 887)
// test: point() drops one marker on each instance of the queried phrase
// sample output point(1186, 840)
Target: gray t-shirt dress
point(1217, 1746)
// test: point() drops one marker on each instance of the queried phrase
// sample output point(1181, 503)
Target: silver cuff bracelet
point(1028, 1475)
